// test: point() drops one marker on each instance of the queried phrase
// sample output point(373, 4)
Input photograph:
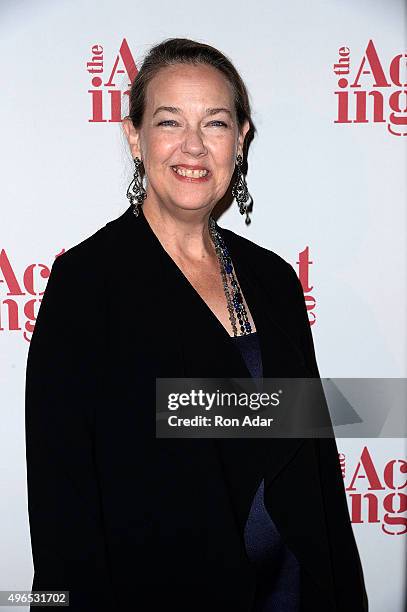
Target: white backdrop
point(344, 184)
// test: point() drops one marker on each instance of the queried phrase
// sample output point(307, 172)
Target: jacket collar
point(186, 315)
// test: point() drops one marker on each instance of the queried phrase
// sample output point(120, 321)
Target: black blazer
point(127, 521)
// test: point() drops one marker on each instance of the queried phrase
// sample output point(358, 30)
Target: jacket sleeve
point(350, 592)
point(63, 390)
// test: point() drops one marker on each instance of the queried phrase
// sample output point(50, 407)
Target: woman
point(127, 521)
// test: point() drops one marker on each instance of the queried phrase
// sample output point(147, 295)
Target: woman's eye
point(172, 122)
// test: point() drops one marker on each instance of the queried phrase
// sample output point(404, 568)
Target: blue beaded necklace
point(235, 302)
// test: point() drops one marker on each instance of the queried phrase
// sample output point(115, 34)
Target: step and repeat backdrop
point(327, 171)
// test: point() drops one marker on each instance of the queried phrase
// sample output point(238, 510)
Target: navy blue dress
point(277, 569)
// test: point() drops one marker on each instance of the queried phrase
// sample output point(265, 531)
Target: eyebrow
point(176, 110)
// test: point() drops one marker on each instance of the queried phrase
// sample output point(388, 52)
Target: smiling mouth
point(188, 173)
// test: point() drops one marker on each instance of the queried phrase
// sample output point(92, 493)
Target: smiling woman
point(119, 517)
point(185, 137)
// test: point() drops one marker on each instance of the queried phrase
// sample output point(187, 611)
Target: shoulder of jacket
point(263, 255)
point(92, 251)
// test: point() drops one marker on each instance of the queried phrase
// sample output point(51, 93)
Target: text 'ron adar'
point(219, 421)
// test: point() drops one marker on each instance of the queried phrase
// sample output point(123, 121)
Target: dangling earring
point(240, 191)
point(135, 191)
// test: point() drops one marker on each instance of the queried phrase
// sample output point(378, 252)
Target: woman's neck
point(185, 233)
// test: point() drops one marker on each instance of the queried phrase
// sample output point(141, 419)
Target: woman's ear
point(242, 135)
point(133, 137)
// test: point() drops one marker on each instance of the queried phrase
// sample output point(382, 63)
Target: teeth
point(190, 173)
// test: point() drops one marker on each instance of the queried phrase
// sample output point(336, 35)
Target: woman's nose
point(193, 142)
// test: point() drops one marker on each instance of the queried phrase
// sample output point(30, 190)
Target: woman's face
point(190, 132)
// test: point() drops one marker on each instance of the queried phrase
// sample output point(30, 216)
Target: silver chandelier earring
point(240, 191)
point(135, 191)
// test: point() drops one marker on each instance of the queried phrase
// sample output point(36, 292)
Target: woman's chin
point(192, 204)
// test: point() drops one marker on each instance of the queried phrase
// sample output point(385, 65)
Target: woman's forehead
point(186, 87)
